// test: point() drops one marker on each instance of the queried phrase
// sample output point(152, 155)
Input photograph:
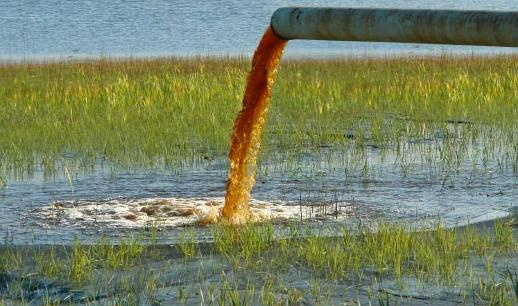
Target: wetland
point(382, 180)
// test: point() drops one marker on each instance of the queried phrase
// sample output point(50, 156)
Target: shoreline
point(360, 56)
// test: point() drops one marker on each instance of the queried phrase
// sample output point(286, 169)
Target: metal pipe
point(393, 25)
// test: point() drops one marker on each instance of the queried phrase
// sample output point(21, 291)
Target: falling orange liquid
point(246, 133)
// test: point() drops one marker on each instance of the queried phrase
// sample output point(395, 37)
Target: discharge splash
point(246, 132)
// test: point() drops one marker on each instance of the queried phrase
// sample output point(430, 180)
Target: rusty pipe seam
point(484, 28)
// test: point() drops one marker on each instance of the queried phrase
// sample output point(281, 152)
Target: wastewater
point(246, 132)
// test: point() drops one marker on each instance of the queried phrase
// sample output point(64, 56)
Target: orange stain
point(246, 133)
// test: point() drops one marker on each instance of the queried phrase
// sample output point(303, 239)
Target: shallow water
point(315, 189)
point(42, 29)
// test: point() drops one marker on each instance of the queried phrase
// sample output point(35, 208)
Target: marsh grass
point(65, 118)
point(10, 257)
point(126, 254)
point(80, 263)
point(513, 276)
point(47, 263)
point(242, 245)
point(439, 255)
point(187, 244)
point(363, 255)
point(504, 234)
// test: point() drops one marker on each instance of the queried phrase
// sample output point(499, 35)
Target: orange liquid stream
point(246, 133)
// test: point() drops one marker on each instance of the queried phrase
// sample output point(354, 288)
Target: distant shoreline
point(296, 57)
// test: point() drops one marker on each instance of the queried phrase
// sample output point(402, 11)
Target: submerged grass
point(174, 112)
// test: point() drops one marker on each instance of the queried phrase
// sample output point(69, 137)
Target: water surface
point(84, 28)
point(385, 192)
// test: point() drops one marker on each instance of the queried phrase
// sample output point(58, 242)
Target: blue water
point(85, 28)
